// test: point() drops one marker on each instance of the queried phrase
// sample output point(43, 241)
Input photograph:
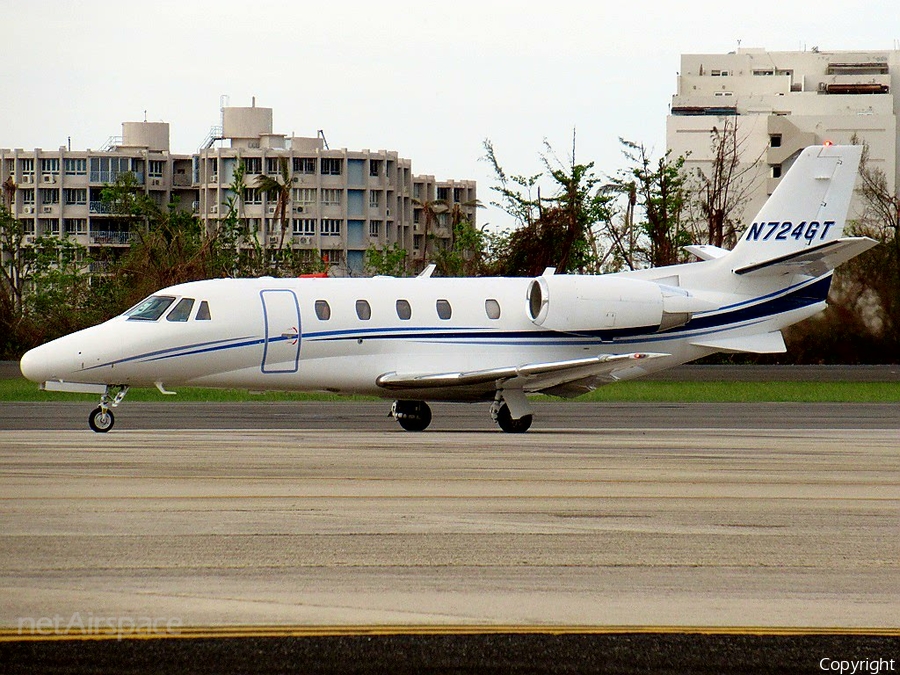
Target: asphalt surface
point(817, 526)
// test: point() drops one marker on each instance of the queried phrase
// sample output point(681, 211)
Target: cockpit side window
point(150, 309)
point(181, 311)
point(203, 311)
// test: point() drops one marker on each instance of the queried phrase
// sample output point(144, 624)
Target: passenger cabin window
point(363, 310)
point(150, 309)
point(444, 310)
point(492, 308)
point(203, 312)
point(181, 311)
point(404, 311)
point(323, 310)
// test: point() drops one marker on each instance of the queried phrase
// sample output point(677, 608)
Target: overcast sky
point(429, 80)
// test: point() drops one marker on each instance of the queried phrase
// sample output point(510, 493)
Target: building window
point(49, 196)
point(155, 168)
point(331, 197)
point(75, 195)
point(374, 228)
point(50, 165)
point(775, 141)
point(253, 165)
point(331, 227)
point(404, 310)
point(444, 310)
point(375, 166)
point(27, 167)
point(252, 196)
point(305, 227)
point(48, 226)
point(304, 165)
point(492, 308)
point(27, 195)
point(331, 166)
point(304, 196)
point(76, 167)
point(443, 193)
point(76, 226)
point(776, 171)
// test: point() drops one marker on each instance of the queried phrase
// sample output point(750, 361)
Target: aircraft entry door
point(281, 314)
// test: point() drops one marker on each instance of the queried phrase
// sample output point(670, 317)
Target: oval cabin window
point(444, 310)
point(404, 311)
point(323, 310)
point(363, 310)
point(492, 308)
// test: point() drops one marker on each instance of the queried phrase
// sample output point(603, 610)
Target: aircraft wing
point(530, 377)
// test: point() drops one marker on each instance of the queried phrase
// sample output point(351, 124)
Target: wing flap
point(529, 376)
point(761, 343)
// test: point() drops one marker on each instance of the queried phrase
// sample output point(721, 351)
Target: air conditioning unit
point(195, 206)
point(298, 209)
point(49, 178)
point(214, 178)
point(28, 178)
point(213, 209)
point(28, 209)
point(271, 209)
point(305, 240)
point(273, 241)
point(48, 209)
point(29, 239)
point(155, 181)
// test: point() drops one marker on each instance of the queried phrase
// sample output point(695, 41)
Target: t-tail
point(800, 229)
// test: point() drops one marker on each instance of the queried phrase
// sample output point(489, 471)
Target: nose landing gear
point(101, 418)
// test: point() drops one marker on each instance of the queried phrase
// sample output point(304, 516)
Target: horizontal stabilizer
point(761, 343)
point(814, 261)
point(530, 377)
point(707, 251)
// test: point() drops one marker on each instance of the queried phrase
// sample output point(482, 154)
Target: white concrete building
point(781, 102)
point(342, 201)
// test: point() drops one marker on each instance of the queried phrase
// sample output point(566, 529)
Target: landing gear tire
point(101, 420)
point(412, 415)
point(511, 426)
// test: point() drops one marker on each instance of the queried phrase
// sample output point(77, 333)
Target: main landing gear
point(412, 415)
point(101, 418)
point(416, 416)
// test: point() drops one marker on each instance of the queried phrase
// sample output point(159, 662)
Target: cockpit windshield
point(150, 309)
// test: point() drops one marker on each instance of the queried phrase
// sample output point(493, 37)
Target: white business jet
point(484, 339)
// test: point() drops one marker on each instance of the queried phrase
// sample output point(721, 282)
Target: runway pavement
point(602, 518)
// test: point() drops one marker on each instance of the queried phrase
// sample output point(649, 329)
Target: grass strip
point(20, 390)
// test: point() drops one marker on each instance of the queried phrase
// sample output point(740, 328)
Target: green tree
point(659, 189)
point(391, 260)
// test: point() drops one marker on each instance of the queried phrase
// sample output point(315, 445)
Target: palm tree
point(279, 188)
point(430, 209)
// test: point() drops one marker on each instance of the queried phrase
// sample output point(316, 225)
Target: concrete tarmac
point(758, 523)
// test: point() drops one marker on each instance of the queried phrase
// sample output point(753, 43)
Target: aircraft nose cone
point(41, 364)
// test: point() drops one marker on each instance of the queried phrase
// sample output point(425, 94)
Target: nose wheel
point(101, 418)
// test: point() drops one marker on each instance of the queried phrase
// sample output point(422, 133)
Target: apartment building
point(341, 202)
point(781, 102)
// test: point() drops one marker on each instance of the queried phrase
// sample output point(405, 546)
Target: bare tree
point(721, 192)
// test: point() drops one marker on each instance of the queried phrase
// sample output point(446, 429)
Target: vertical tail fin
point(803, 221)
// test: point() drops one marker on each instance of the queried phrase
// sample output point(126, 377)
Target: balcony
point(111, 176)
point(113, 237)
point(99, 208)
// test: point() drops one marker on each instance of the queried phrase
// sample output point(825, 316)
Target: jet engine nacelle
point(583, 303)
